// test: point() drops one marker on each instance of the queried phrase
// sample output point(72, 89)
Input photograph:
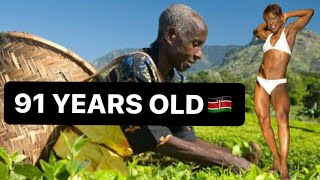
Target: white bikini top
point(281, 44)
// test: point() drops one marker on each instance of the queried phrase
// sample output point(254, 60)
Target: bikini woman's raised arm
point(303, 19)
point(262, 31)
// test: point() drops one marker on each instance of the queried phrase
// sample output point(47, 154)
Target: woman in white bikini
point(271, 82)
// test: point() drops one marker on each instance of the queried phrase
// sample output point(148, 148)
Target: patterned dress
point(141, 67)
point(108, 145)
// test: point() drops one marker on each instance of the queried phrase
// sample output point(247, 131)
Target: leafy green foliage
point(9, 165)
point(238, 147)
point(204, 77)
point(312, 101)
point(12, 166)
point(303, 160)
point(249, 103)
point(304, 152)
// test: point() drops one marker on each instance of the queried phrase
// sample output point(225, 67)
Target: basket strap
point(106, 68)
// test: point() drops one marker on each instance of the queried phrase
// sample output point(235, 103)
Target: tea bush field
point(304, 150)
point(303, 159)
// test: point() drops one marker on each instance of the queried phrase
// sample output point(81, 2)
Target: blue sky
point(92, 28)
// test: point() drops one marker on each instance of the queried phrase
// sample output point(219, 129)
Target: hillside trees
point(303, 89)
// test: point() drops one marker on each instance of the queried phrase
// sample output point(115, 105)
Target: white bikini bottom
point(269, 85)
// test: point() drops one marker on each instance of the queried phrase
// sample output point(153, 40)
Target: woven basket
point(25, 57)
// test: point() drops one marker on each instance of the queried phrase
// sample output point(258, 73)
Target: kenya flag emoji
point(220, 104)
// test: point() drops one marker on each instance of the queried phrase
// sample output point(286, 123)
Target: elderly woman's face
point(187, 48)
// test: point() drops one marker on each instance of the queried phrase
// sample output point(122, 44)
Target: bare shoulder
point(291, 34)
point(290, 30)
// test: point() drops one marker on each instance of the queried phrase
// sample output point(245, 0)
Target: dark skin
point(181, 51)
point(274, 66)
point(201, 152)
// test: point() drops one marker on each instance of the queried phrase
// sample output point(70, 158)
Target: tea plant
point(303, 159)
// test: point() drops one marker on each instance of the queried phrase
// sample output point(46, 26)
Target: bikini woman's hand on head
point(262, 31)
point(293, 28)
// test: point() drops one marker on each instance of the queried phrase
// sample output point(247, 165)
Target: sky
point(92, 28)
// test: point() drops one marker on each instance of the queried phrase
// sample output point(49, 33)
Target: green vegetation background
point(234, 64)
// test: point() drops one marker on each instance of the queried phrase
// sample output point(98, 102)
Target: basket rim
point(52, 44)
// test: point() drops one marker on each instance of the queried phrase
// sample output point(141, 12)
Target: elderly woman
point(271, 82)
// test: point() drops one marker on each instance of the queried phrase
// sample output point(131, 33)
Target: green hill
point(305, 56)
point(213, 56)
point(244, 61)
point(303, 73)
point(104, 60)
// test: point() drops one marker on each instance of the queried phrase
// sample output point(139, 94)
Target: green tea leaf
point(65, 139)
point(310, 175)
point(81, 165)
point(52, 158)
point(60, 169)
point(14, 176)
point(4, 156)
point(29, 171)
point(48, 169)
point(19, 158)
point(4, 171)
point(60, 165)
point(101, 174)
point(236, 150)
point(78, 144)
point(202, 175)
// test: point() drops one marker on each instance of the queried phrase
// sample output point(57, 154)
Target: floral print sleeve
point(136, 67)
point(139, 67)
